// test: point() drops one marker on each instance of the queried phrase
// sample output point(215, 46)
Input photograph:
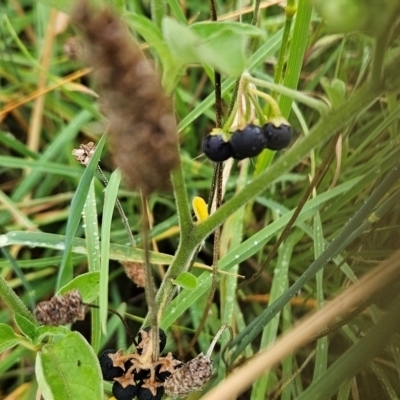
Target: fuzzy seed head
point(143, 134)
point(191, 377)
point(61, 309)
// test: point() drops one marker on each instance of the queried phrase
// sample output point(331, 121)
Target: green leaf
point(87, 284)
point(186, 280)
point(26, 327)
point(77, 205)
point(110, 197)
point(44, 331)
point(207, 29)
point(8, 338)
point(335, 90)
point(69, 370)
point(218, 45)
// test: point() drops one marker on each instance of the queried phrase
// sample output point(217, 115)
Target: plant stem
point(182, 201)
point(317, 105)
point(326, 128)
point(14, 302)
point(158, 11)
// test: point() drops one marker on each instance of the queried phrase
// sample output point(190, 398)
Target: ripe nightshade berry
point(107, 368)
point(248, 142)
point(277, 137)
point(142, 374)
point(145, 394)
point(216, 149)
point(121, 393)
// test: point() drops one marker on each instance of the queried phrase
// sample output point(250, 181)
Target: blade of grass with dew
point(287, 362)
point(39, 167)
point(57, 242)
point(383, 379)
point(52, 152)
point(321, 356)
point(93, 256)
point(16, 213)
point(246, 250)
point(110, 196)
point(231, 237)
point(8, 140)
point(278, 287)
point(77, 205)
point(336, 246)
point(18, 272)
point(297, 49)
point(357, 357)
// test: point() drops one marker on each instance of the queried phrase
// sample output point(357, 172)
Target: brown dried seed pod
point(143, 129)
point(84, 154)
point(191, 377)
point(61, 309)
point(135, 272)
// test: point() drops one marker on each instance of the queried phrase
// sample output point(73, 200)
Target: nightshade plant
point(296, 225)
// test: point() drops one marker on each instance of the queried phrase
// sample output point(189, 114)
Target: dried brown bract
point(135, 272)
point(143, 129)
point(84, 154)
point(61, 309)
point(191, 377)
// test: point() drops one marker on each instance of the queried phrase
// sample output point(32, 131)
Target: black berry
point(142, 374)
point(145, 394)
point(248, 142)
point(107, 368)
point(121, 393)
point(216, 149)
point(277, 137)
point(162, 376)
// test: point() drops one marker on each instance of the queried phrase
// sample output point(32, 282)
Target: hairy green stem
point(158, 11)
point(182, 202)
point(14, 302)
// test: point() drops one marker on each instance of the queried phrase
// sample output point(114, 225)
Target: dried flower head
point(142, 124)
point(61, 309)
point(191, 377)
point(84, 153)
point(135, 272)
point(73, 48)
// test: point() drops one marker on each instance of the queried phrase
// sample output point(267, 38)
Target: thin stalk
point(120, 210)
point(315, 104)
point(150, 290)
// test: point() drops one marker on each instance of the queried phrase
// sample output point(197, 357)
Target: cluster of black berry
point(136, 374)
point(249, 142)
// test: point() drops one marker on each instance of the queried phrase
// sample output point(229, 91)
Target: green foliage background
point(336, 81)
